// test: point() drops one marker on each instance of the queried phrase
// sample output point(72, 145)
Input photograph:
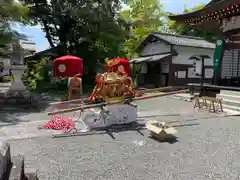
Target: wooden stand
point(213, 104)
point(75, 84)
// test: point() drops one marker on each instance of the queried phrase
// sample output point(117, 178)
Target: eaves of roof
point(180, 40)
point(211, 7)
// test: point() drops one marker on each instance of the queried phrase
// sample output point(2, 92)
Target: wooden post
point(202, 77)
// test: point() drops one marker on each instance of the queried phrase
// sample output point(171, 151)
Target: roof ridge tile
point(178, 35)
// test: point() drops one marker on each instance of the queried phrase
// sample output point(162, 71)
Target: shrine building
point(164, 60)
point(223, 15)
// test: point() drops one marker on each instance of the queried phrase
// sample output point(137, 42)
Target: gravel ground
point(22, 123)
point(207, 148)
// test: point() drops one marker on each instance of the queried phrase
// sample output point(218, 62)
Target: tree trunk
point(47, 33)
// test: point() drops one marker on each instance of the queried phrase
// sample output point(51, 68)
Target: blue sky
point(38, 36)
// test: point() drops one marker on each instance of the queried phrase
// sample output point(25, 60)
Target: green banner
point(217, 55)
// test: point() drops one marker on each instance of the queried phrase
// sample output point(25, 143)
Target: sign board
point(191, 73)
point(144, 68)
point(198, 67)
point(165, 67)
point(217, 55)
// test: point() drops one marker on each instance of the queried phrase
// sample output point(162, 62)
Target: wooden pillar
point(171, 74)
point(171, 69)
point(202, 77)
point(134, 77)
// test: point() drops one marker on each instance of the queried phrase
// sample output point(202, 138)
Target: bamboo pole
point(159, 95)
point(69, 101)
point(103, 104)
point(77, 108)
point(86, 99)
point(154, 89)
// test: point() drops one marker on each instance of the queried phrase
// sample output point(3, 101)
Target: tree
point(142, 18)
point(11, 12)
point(68, 23)
point(90, 29)
point(179, 28)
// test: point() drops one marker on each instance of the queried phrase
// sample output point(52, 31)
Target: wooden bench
point(199, 102)
point(213, 104)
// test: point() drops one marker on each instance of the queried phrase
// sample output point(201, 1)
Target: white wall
point(184, 53)
point(156, 48)
point(28, 45)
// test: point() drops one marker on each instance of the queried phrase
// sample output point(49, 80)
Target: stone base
point(17, 171)
point(109, 115)
point(12, 167)
point(5, 159)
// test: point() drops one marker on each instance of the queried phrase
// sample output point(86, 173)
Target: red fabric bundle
point(66, 124)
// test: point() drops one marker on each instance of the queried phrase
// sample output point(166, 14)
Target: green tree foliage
point(11, 12)
point(35, 74)
point(176, 27)
point(90, 29)
point(142, 18)
point(68, 23)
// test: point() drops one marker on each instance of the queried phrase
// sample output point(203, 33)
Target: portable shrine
point(113, 88)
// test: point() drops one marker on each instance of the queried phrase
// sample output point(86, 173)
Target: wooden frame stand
point(213, 104)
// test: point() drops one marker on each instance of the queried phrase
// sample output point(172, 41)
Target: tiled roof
point(150, 58)
point(212, 2)
point(211, 9)
point(184, 40)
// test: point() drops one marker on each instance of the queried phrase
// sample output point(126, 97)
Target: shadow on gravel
point(10, 118)
point(170, 141)
point(12, 109)
point(128, 127)
point(185, 125)
point(135, 126)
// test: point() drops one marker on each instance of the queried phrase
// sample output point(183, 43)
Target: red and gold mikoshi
point(119, 66)
point(97, 89)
